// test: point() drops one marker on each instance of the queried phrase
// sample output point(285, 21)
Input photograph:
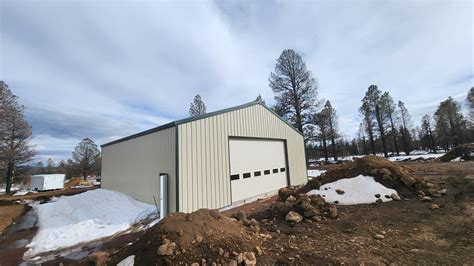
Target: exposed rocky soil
point(414, 230)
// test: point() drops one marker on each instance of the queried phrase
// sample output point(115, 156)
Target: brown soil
point(396, 232)
point(412, 232)
point(192, 237)
point(76, 181)
point(9, 213)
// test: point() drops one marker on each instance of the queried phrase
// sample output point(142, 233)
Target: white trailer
point(47, 182)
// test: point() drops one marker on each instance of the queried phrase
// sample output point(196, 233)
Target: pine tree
point(405, 126)
point(260, 99)
point(470, 100)
point(331, 117)
point(428, 132)
point(15, 133)
point(390, 112)
point(450, 123)
point(197, 107)
point(295, 89)
point(320, 120)
point(368, 122)
point(49, 165)
point(85, 157)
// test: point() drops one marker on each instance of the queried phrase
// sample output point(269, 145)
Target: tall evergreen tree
point(450, 123)
point(295, 89)
point(331, 117)
point(260, 99)
point(470, 101)
point(405, 126)
point(372, 99)
point(320, 120)
point(428, 132)
point(197, 107)
point(15, 134)
point(391, 114)
point(368, 122)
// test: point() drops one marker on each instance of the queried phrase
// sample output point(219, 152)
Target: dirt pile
point(202, 237)
point(385, 172)
point(465, 152)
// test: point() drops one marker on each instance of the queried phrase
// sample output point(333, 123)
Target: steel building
point(212, 161)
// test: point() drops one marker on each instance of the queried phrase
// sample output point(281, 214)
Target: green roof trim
point(194, 118)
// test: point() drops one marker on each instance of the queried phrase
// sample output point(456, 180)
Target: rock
point(384, 171)
point(99, 258)
point(291, 199)
point(233, 219)
point(167, 249)
point(311, 213)
point(377, 196)
point(426, 199)
point(221, 252)
point(233, 263)
point(293, 217)
point(378, 201)
point(443, 191)
point(199, 238)
point(259, 250)
point(386, 177)
point(434, 206)
point(340, 191)
point(283, 207)
point(374, 172)
point(332, 212)
point(240, 258)
point(395, 196)
point(253, 222)
point(250, 259)
point(241, 216)
point(195, 264)
point(407, 180)
point(379, 236)
point(268, 237)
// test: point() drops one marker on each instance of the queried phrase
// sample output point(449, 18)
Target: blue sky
point(108, 69)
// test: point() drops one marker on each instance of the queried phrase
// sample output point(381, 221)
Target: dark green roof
point(194, 118)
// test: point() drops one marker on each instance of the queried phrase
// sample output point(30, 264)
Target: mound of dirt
point(204, 236)
point(385, 172)
point(465, 152)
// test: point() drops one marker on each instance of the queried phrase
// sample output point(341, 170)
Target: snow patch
point(84, 217)
point(315, 173)
point(128, 261)
point(416, 156)
point(357, 190)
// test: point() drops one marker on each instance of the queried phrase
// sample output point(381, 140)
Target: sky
point(108, 69)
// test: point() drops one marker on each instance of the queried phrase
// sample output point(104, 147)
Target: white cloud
point(112, 68)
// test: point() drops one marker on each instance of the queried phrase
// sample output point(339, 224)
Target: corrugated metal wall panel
point(133, 166)
point(204, 154)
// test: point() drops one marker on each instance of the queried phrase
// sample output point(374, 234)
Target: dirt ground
point(408, 231)
point(396, 232)
point(9, 213)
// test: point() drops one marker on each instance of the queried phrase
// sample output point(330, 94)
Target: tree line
point(385, 127)
point(17, 152)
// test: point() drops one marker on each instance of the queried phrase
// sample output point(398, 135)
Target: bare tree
point(85, 157)
point(15, 133)
point(295, 89)
point(197, 107)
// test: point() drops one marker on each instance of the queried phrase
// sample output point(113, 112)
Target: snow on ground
point(128, 261)
point(94, 214)
point(315, 173)
point(357, 190)
point(21, 193)
point(416, 156)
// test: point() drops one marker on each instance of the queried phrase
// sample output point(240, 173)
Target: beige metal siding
point(133, 166)
point(204, 180)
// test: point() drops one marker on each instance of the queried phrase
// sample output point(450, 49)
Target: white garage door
point(256, 167)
